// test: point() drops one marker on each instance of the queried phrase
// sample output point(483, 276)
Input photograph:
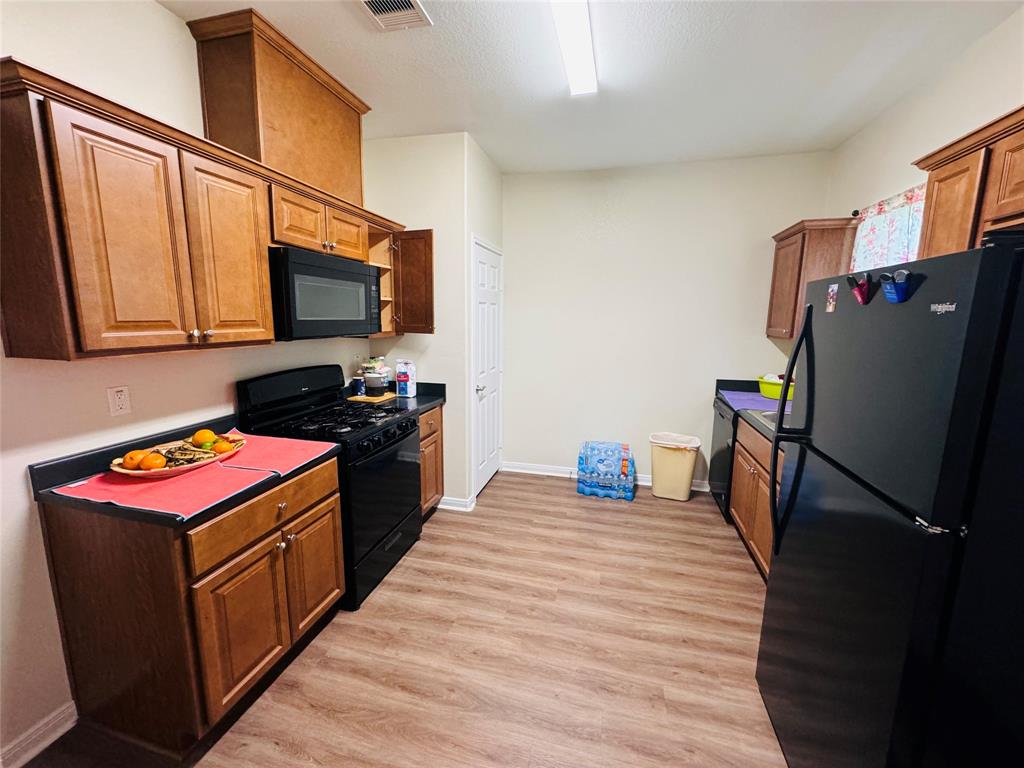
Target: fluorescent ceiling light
point(572, 22)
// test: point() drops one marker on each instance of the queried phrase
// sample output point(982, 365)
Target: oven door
point(317, 296)
point(383, 488)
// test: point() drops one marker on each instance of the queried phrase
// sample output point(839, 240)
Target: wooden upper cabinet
point(1004, 187)
point(975, 184)
point(264, 97)
point(414, 281)
point(299, 220)
point(242, 624)
point(951, 198)
point(785, 286)
point(229, 233)
point(126, 241)
point(314, 564)
point(809, 250)
point(346, 235)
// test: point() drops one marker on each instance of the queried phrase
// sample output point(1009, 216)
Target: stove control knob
point(390, 433)
point(364, 446)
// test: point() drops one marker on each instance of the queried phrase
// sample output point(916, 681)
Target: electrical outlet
point(119, 401)
point(358, 360)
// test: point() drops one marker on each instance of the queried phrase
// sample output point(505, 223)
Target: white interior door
point(487, 355)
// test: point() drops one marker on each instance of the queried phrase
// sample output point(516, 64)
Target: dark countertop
point(55, 473)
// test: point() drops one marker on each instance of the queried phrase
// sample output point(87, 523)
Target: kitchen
point(695, 312)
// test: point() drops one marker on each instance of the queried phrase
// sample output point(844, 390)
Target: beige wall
point(446, 183)
point(421, 182)
point(144, 57)
point(983, 83)
point(628, 292)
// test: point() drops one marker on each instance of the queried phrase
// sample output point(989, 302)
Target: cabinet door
point(951, 206)
point(347, 235)
point(228, 233)
point(299, 220)
point(741, 503)
point(314, 564)
point(785, 287)
point(1004, 188)
point(761, 528)
point(241, 623)
point(414, 281)
point(431, 472)
point(124, 219)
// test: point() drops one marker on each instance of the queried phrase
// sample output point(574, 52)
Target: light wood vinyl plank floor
point(543, 630)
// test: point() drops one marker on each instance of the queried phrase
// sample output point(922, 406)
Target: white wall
point(628, 292)
point(144, 57)
point(981, 84)
point(446, 183)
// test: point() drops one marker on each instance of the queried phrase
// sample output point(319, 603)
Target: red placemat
point(182, 496)
point(276, 454)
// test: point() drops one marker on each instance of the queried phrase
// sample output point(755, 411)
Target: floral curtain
point(889, 231)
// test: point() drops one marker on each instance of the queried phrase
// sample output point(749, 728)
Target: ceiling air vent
point(392, 15)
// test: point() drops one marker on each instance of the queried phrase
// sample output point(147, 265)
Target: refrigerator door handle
point(787, 433)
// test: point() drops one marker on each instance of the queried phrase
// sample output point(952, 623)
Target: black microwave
point(316, 295)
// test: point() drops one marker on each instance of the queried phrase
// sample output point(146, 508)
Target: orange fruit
point(153, 461)
point(203, 436)
point(223, 446)
point(132, 458)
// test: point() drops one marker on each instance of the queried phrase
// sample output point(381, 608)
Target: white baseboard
point(550, 470)
point(38, 737)
point(453, 504)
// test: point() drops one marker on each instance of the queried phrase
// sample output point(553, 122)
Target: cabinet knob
point(324, 245)
point(291, 537)
point(194, 333)
point(333, 246)
point(281, 546)
point(431, 423)
point(208, 332)
point(282, 506)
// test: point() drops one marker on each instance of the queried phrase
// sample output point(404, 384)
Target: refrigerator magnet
point(831, 297)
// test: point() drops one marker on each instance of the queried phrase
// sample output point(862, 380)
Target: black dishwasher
point(720, 462)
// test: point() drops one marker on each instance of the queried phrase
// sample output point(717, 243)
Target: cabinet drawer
point(758, 446)
point(217, 540)
point(430, 423)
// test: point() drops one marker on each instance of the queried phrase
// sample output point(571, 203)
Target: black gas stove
point(378, 468)
point(361, 426)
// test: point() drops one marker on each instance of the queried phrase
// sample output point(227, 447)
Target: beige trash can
point(673, 458)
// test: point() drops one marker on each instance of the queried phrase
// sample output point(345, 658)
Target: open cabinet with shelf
point(381, 255)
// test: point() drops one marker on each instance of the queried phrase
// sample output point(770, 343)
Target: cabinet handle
point(208, 332)
point(430, 423)
point(281, 546)
point(194, 333)
point(282, 506)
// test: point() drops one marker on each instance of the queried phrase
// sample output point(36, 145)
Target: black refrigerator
point(893, 630)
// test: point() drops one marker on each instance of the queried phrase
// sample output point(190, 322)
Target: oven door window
point(325, 299)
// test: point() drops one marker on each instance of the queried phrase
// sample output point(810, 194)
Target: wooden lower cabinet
point(164, 633)
point(431, 459)
point(741, 505)
point(314, 564)
point(241, 623)
point(749, 499)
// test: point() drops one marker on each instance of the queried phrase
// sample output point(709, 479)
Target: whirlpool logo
point(941, 309)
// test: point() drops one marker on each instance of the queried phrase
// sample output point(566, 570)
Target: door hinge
point(929, 528)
